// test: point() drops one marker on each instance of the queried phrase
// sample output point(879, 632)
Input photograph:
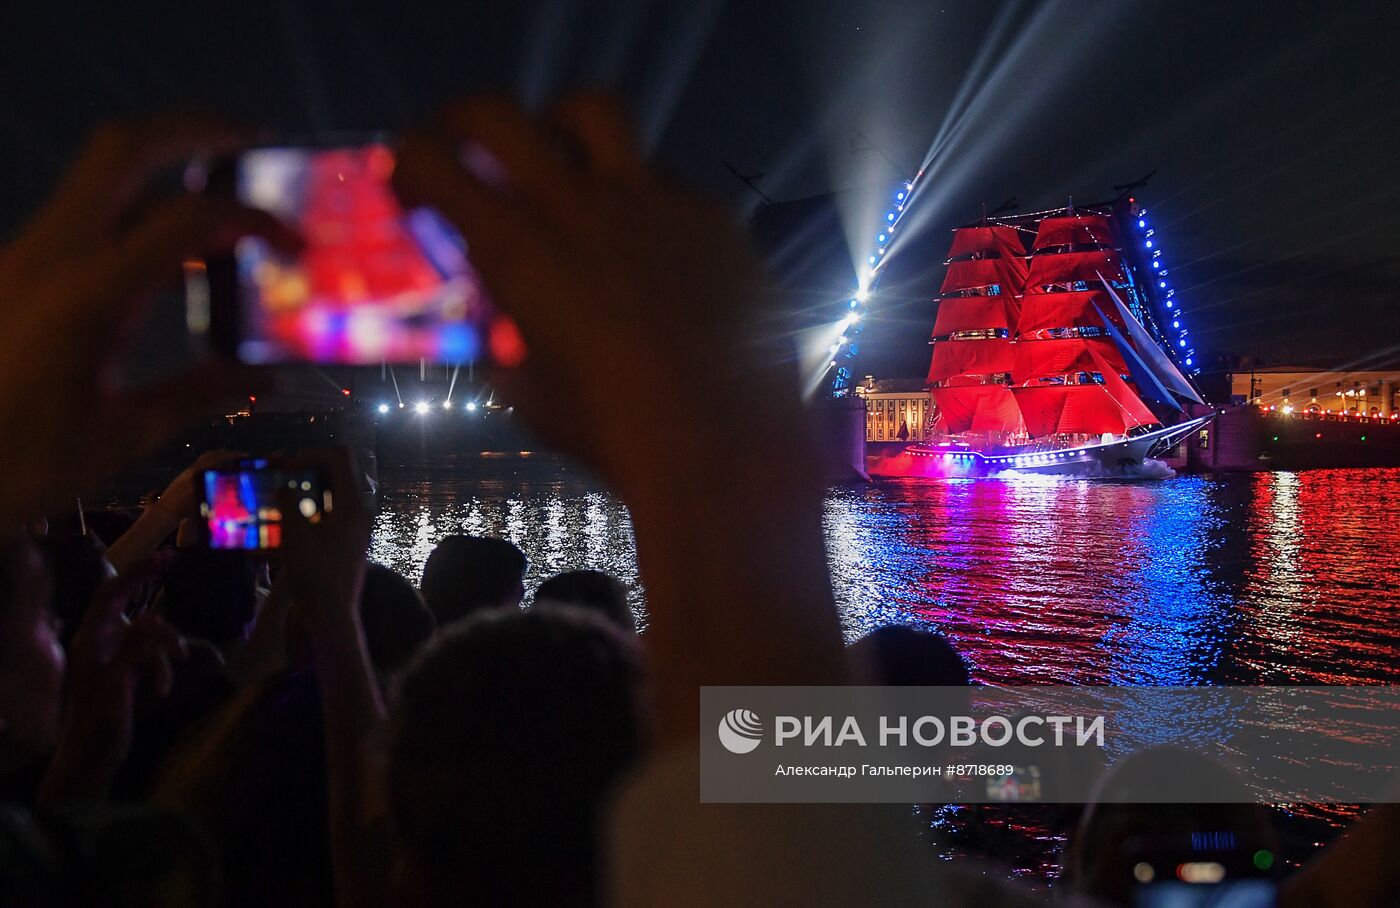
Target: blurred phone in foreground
point(1022, 785)
point(374, 282)
point(1225, 894)
point(1202, 870)
point(240, 507)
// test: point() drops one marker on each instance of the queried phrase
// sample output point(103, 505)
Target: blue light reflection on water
point(1257, 579)
point(1266, 578)
point(1269, 578)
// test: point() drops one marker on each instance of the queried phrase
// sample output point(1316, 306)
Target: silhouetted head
point(590, 590)
point(904, 657)
point(508, 732)
point(78, 565)
point(1121, 824)
point(211, 594)
point(396, 621)
point(468, 574)
point(31, 660)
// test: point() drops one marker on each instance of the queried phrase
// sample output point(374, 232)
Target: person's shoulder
point(800, 854)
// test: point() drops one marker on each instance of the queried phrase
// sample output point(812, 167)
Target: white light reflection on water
point(560, 521)
point(1269, 578)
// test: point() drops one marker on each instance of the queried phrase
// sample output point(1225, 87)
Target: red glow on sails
point(974, 313)
point(1075, 309)
point(1074, 229)
point(973, 274)
point(1132, 406)
point(1036, 359)
point(969, 357)
point(1076, 410)
point(977, 408)
point(983, 240)
point(1090, 409)
point(1068, 267)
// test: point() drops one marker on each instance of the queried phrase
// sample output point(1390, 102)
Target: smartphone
point(1244, 893)
point(240, 506)
point(1202, 870)
point(1022, 785)
point(376, 282)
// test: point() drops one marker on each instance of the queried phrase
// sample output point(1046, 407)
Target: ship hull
point(1125, 457)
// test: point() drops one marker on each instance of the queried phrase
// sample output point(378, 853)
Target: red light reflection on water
point(1266, 578)
point(1271, 578)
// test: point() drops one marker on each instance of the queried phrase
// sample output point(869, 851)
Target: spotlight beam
point(452, 384)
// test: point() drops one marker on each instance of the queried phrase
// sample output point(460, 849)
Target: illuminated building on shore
point(896, 409)
point(1299, 389)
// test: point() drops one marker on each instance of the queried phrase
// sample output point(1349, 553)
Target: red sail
point(972, 274)
point(1075, 309)
point(983, 240)
point(1035, 359)
point(973, 313)
point(1067, 267)
point(1074, 229)
point(1073, 410)
point(1135, 411)
point(969, 357)
point(1041, 407)
point(976, 408)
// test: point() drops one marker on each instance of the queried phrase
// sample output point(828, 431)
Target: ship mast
point(1069, 375)
point(970, 370)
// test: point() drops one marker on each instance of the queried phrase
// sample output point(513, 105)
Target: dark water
point(1273, 578)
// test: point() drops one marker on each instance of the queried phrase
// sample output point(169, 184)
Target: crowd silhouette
point(183, 726)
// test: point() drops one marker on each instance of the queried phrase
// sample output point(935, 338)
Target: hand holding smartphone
point(374, 281)
point(239, 504)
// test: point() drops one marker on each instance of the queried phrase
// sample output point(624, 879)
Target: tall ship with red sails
point(1050, 348)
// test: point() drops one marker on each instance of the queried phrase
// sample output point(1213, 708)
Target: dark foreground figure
point(158, 753)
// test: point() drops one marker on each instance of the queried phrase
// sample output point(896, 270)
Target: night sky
point(1274, 127)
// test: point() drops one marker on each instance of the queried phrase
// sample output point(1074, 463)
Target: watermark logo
point(740, 731)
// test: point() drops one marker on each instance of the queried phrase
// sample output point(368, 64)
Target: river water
point(1270, 578)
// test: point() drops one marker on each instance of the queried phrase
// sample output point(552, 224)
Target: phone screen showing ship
point(1023, 784)
point(374, 282)
point(241, 507)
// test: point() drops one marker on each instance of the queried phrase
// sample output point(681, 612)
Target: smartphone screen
point(375, 282)
point(1243, 893)
point(240, 506)
point(1023, 785)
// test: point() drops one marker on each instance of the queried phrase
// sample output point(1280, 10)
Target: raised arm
point(324, 565)
point(73, 285)
point(618, 280)
point(162, 517)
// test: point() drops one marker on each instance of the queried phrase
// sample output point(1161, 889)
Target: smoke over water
point(904, 465)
